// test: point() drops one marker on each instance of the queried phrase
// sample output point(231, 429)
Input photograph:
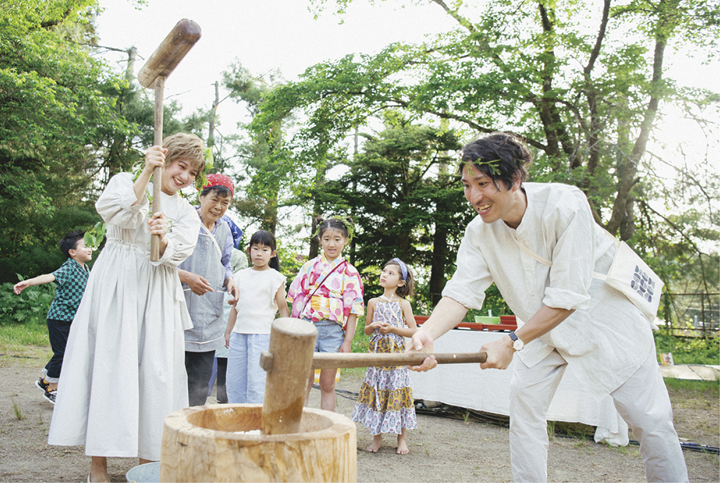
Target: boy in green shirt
point(70, 278)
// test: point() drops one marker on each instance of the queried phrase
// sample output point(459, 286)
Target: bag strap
point(534, 255)
point(617, 243)
point(317, 286)
point(548, 263)
point(212, 237)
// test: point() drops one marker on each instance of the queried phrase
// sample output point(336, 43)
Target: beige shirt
point(607, 337)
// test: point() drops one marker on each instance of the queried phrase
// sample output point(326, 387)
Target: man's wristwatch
point(518, 344)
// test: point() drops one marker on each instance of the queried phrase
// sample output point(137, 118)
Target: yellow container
point(317, 376)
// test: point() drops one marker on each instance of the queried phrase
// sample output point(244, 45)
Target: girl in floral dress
point(385, 403)
point(328, 292)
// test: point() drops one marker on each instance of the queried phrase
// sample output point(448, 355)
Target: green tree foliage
point(581, 82)
point(57, 109)
point(263, 155)
point(403, 200)
point(67, 124)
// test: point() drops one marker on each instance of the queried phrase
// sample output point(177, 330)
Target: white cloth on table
point(124, 367)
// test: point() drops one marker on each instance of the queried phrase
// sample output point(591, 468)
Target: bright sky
point(282, 34)
point(265, 35)
point(261, 34)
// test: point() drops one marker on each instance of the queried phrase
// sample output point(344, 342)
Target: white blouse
point(256, 306)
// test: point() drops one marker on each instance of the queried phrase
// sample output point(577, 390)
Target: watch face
point(518, 344)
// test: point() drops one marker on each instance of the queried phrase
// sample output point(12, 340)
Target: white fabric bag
point(630, 275)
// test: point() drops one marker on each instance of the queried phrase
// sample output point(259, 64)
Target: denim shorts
point(330, 335)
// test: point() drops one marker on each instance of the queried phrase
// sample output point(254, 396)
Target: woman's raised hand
point(158, 225)
point(154, 158)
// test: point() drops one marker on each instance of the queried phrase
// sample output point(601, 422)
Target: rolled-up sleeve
point(472, 277)
point(573, 254)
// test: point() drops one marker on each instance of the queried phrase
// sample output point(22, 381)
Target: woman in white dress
point(124, 364)
point(572, 317)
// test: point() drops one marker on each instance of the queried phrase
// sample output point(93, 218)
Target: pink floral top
point(340, 295)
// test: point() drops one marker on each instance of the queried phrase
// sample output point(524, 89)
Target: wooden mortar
point(209, 443)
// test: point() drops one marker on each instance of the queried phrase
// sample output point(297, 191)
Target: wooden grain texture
point(158, 173)
point(210, 443)
point(333, 360)
point(292, 342)
point(170, 52)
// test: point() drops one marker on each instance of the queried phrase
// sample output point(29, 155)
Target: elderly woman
point(572, 318)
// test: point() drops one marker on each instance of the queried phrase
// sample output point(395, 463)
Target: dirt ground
point(441, 449)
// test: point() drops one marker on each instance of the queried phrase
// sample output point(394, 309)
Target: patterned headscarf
point(216, 179)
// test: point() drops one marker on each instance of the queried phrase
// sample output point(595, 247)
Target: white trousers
point(245, 379)
point(642, 401)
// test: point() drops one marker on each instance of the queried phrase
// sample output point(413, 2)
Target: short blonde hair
point(185, 146)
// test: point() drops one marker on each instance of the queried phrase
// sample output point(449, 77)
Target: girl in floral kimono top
point(329, 293)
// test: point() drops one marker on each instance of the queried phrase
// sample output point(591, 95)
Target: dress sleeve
point(115, 204)
point(573, 254)
point(472, 277)
point(352, 292)
point(182, 237)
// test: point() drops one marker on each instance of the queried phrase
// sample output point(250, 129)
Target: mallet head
point(170, 52)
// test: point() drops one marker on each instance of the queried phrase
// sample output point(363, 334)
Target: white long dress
point(124, 367)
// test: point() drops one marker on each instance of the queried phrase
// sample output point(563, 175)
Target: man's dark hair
point(500, 156)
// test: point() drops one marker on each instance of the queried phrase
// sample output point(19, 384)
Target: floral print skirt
point(385, 403)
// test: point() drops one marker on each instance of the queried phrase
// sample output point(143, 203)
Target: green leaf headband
point(492, 164)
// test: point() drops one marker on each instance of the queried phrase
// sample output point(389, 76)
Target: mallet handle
point(322, 360)
point(157, 175)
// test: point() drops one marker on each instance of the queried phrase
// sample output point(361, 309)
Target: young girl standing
point(385, 403)
point(329, 293)
point(261, 295)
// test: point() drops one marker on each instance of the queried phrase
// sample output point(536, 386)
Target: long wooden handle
point(157, 175)
point(322, 360)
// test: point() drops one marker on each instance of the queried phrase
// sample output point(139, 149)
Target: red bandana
point(219, 180)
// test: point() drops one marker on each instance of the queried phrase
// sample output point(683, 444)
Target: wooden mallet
point(152, 75)
point(291, 359)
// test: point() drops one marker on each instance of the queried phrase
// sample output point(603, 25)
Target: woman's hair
point(409, 288)
point(500, 156)
point(185, 146)
point(222, 191)
point(69, 241)
point(265, 238)
point(345, 226)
